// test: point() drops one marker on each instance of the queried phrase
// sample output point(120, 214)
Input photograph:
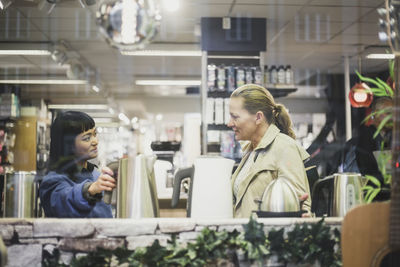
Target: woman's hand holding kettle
point(105, 182)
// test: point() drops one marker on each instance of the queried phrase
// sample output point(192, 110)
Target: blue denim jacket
point(62, 197)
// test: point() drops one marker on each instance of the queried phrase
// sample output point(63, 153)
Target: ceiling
point(312, 36)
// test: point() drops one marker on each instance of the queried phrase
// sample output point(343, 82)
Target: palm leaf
point(377, 113)
point(382, 124)
point(372, 195)
point(388, 89)
point(369, 80)
point(373, 180)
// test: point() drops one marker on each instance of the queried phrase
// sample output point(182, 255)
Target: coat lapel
point(257, 167)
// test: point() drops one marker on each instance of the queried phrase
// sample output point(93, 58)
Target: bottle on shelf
point(257, 75)
point(221, 78)
point(281, 75)
point(211, 77)
point(240, 76)
point(266, 76)
point(289, 75)
point(273, 78)
point(249, 74)
point(230, 78)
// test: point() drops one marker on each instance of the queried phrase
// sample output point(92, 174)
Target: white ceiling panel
point(310, 35)
point(336, 14)
point(352, 3)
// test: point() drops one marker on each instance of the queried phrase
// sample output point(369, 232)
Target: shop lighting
point(168, 82)
point(380, 56)
point(123, 118)
point(25, 52)
point(95, 88)
point(54, 82)
point(102, 120)
point(100, 115)
point(171, 5)
point(234, 57)
point(79, 107)
point(163, 53)
point(4, 4)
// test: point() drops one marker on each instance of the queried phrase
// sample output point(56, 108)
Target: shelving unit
point(231, 58)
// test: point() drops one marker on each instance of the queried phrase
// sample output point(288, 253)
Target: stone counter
point(27, 239)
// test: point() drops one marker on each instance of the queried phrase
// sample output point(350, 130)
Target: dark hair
point(64, 129)
point(257, 98)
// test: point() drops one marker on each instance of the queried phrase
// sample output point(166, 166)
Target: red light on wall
point(360, 95)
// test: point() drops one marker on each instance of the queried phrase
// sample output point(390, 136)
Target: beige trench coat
point(277, 155)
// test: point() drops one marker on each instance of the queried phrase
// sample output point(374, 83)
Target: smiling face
point(86, 145)
point(242, 122)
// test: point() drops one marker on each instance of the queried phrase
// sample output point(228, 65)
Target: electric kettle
point(279, 200)
point(335, 195)
point(210, 192)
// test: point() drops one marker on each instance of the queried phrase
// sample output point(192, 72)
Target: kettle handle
point(316, 191)
point(179, 176)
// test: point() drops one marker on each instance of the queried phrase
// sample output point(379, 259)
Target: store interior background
point(313, 36)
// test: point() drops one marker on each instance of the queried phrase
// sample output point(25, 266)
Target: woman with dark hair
point(270, 152)
point(73, 188)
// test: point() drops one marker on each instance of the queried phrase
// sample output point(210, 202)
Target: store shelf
point(281, 91)
point(278, 91)
point(218, 127)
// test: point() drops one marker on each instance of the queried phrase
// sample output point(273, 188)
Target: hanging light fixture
point(360, 95)
point(128, 24)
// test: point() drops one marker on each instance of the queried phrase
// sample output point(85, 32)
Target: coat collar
point(267, 139)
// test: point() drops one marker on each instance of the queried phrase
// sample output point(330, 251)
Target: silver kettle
point(279, 200)
point(335, 195)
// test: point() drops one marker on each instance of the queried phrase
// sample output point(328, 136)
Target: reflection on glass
point(312, 28)
point(128, 24)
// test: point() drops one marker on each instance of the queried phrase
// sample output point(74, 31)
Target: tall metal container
point(20, 193)
point(136, 188)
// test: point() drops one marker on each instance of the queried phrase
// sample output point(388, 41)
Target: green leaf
point(382, 124)
point(373, 195)
point(388, 89)
point(369, 80)
point(373, 180)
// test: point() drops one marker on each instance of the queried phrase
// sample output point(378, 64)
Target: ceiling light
point(95, 88)
point(56, 82)
point(123, 118)
point(102, 120)
point(234, 57)
point(380, 56)
point(171, 5)
point(4, 4)
point(168, 82)
point(25, 52)
point(163, 53)
point(78, 107)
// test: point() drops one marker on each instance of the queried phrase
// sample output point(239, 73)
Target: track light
point(59, 55)
point(76, 70)
point(4, 4)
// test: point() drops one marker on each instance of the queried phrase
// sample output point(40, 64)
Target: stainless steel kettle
point(335, 195)
point(280, 196)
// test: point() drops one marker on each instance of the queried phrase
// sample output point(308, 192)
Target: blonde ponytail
point(283, 121)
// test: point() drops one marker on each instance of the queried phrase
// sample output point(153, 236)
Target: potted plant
point(380, 88)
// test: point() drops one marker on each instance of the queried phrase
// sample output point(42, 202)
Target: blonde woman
point(271, 151)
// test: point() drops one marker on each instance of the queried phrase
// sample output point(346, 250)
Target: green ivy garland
point(305, 243)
